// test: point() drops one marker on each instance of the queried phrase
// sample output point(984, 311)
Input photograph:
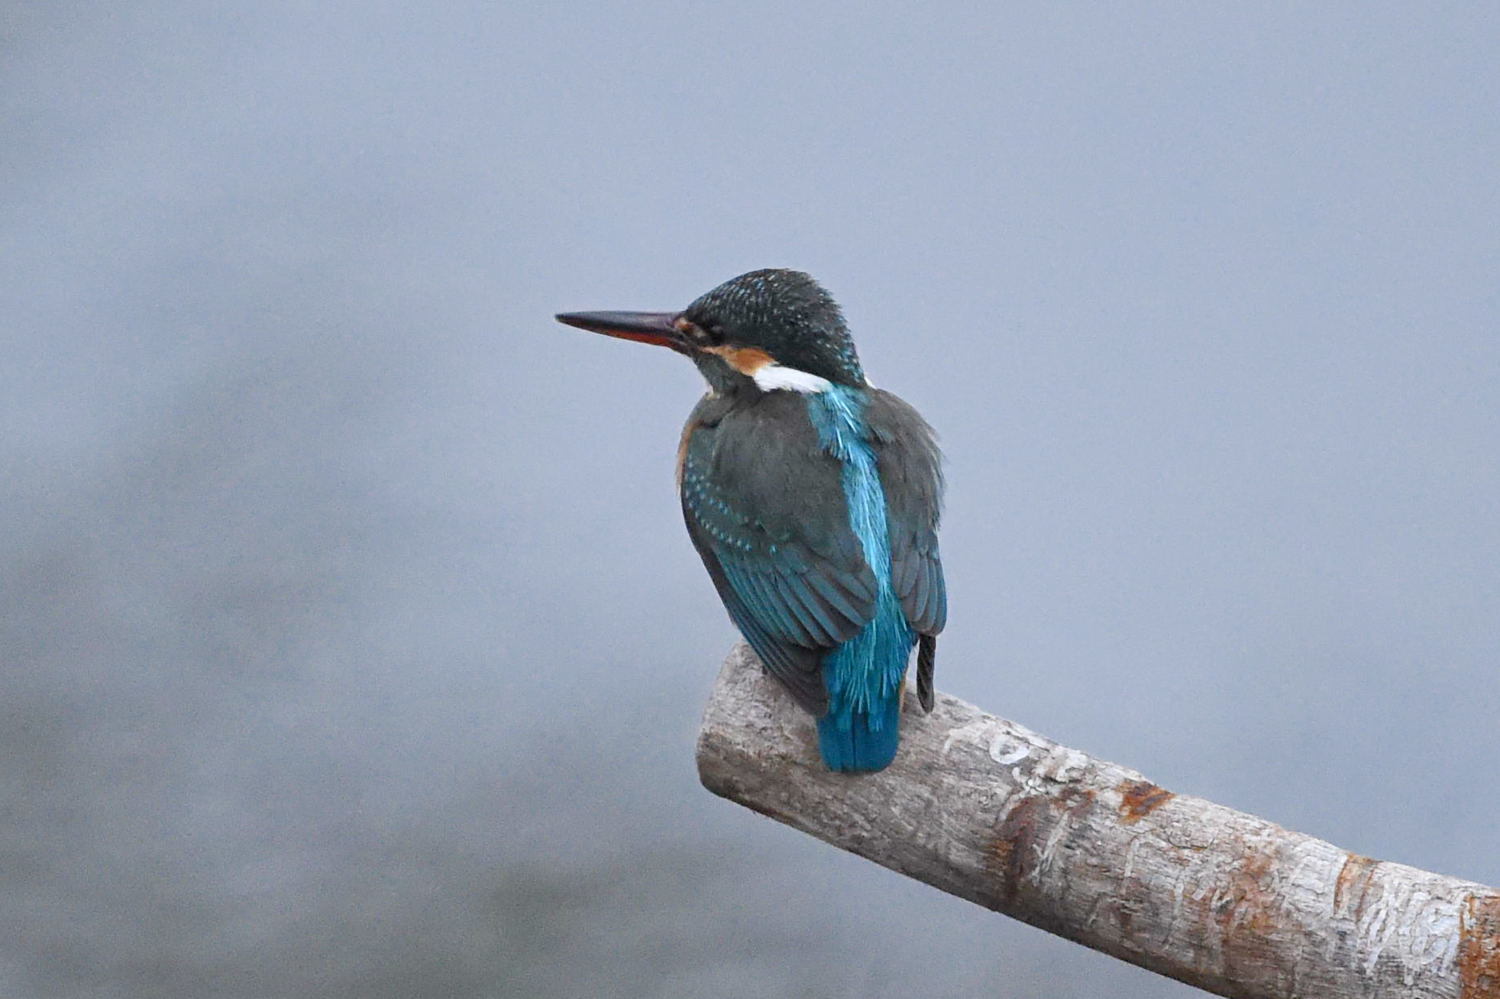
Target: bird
point(813, 499)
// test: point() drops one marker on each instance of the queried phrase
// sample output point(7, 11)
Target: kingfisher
point(813, 499)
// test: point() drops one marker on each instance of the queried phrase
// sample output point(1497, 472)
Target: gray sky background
point(352, 645)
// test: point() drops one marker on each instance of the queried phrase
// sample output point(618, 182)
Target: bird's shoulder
point(893, 421)
point(754, 467)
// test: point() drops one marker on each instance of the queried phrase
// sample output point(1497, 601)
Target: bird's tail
point(861, 740)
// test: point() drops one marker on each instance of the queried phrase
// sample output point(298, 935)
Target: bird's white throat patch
point(770, 377)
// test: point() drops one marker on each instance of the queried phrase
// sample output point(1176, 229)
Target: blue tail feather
point(864, 678)
point(861, 740)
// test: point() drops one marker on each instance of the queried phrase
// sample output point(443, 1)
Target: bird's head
point(774, 329)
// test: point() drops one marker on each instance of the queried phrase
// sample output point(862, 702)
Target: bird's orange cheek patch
point(745, 360)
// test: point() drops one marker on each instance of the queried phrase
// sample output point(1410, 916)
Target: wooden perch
point(995, 813)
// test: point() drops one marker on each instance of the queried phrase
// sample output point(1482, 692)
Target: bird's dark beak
point(647, 327)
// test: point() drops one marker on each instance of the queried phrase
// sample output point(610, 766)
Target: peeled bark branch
point(992, 812)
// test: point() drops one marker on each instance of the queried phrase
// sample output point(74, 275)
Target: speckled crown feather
point(786, 313)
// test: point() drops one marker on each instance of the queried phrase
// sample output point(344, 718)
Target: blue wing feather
point(765, 508)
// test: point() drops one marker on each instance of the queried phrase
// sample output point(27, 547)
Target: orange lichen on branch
point(1139, 798)
point(1353, 882)
point(1015, 844)
point(1248, 912)
point(1028, 835)
point(1479, 948)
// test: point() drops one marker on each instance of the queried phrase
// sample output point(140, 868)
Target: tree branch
point(990, 811)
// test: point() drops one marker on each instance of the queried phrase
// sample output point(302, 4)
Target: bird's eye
point(700, 336)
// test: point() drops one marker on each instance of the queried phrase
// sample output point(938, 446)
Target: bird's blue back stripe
point(863, 676)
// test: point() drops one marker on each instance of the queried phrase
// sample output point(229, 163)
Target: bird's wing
point(765, 507)
point(911, 475)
